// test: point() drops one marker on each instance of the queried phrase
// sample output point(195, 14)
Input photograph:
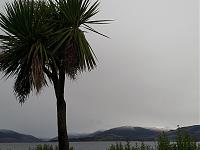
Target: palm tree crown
point(43, 39)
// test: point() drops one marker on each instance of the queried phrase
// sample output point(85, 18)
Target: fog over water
point(147, 74)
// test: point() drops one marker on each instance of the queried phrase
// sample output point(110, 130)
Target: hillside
point(115, 134)
point(9, 136)
point(128, 133)
point(120, 134)
point(133, 134)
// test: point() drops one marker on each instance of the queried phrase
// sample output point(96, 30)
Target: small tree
point(45, 40)
point(163, 142)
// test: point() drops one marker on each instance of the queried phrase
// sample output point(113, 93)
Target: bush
point(183, 142)
point(127, 146)
point(47, 147)
point(44, 147)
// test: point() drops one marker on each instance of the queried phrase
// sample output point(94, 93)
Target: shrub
point(127, 146)
point(183, 142)
point(47, 147)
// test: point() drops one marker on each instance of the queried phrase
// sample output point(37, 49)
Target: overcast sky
point(147, 74)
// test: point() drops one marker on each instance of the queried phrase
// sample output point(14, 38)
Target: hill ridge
point(10, 136)
point(134, 133)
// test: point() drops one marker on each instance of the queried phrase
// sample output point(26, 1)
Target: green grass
point(44, 147)
point(47, 147)
point(127, 146)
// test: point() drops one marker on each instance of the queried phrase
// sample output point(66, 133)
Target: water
point(76, 145)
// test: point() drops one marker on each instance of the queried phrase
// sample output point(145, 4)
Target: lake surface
point(76, 145)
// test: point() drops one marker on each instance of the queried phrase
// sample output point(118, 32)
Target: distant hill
point(9, 136)
point(127, 133)
point(133, 134)
point(115, 134)
point(119, 134)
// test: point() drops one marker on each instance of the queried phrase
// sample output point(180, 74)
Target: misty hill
point(133, 134)
point(127, 133)
point(119, 134)
point(9, 136)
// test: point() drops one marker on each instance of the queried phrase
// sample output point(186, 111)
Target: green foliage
point(44, 147)
point(24, 45)
point(183, 142)
point(128, 146)
point(47, 147)
point(44, 39)
point(163, 142)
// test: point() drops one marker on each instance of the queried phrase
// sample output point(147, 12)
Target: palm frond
point(24, 44)
point(76, 14)
point(23, 84)
point(42, 37)
point(93, 30)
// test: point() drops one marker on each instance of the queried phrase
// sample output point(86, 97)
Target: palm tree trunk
point(59, 85)
point(62, 128)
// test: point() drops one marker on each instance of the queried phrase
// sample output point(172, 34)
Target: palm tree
point(46, 41)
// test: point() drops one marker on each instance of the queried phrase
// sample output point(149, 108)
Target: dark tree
point(46, 41)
